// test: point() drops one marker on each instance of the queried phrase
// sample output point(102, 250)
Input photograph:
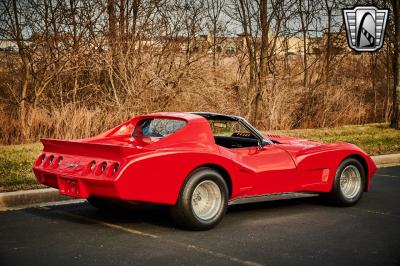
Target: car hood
point(295, 146)
point(293, 141)
point(298, 146)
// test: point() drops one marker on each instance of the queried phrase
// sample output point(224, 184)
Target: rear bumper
point(78, 187)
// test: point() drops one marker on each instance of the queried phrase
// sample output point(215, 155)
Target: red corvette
point(198, 163)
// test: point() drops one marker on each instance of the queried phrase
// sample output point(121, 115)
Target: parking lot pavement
point(288, 232)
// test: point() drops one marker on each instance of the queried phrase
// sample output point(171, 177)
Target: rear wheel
point(203, 200)
point(349, 183)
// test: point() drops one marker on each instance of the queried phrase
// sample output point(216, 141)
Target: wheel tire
point(195, 209)
point(101, 203)
point(349, 183)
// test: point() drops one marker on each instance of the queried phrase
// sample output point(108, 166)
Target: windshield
point(157, 127)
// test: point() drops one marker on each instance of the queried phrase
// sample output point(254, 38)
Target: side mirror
point(263, 143)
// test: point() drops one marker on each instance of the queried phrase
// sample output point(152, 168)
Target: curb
point(30, 198)
point(22, 198)
point(386, 160)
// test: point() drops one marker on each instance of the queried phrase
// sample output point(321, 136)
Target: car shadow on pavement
point(83, 213)
point(158, 215)
point(277, 204)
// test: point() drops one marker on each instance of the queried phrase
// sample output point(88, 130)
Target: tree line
point(75, 68)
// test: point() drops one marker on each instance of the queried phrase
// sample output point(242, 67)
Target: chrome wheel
point(350, 181)
point(206, 200)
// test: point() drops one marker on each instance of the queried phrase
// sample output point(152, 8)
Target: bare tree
point(330, 6)
point(395, 122)
point(193, 13)
point(214, 11)
point(15, 9)
point(306, 13)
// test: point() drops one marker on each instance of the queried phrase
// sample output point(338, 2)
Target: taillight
point(115, 168)
point(42, 158)
point(51, 159)
point(103, 167)
point(92, 166)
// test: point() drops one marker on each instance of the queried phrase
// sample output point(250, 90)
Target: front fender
point(317, 166)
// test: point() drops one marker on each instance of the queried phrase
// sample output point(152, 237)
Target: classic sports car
point(198, 163)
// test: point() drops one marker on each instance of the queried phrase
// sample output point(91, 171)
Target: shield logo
point(365, 27)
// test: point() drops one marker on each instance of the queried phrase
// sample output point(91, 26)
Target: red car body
point(153, 170)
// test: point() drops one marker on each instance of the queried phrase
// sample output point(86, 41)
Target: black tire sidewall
point(338, 194)
point(185, 199)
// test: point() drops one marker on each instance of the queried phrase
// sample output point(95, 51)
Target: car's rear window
point(157, 127)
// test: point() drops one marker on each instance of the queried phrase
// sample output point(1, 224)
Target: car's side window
point(229, 129)
point(232, 134)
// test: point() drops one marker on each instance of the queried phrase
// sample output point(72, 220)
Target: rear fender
point(158, 176)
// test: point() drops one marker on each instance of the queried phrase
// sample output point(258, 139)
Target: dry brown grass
point(170, 83)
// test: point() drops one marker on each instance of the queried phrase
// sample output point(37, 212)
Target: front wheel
point(349, 183)
point(203, 200)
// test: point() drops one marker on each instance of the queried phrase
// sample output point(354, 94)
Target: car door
point(266, 170)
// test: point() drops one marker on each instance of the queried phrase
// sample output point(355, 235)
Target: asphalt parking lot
point(287, 232)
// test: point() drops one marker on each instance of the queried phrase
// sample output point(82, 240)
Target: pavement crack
point(114, 226)
point(214, 253)
point(378, 212)
point(395, 176)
